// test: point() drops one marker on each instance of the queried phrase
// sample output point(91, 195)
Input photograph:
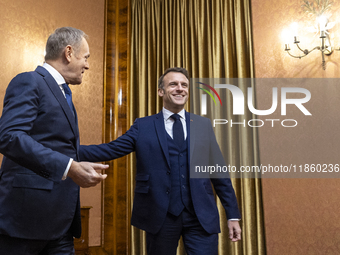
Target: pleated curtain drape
point(211, 39)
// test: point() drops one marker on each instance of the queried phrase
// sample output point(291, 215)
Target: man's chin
point(78, 82)
point(180, 105)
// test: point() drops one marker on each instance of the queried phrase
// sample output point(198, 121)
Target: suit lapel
point(77, 133)
point(161, 134)
point(54, 87)
point(191, 134)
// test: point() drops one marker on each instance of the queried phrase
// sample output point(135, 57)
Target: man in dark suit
point(167, 202)
point(39, 138)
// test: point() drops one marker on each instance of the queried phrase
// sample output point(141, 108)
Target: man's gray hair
point(169, 70)
point(62, 37)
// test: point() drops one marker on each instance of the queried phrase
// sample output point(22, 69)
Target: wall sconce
point(322, 28)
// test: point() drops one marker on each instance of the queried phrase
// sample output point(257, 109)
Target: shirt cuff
point(234, 219)
point(67, 169)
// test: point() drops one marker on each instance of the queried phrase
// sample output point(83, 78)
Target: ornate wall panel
point(117, 206)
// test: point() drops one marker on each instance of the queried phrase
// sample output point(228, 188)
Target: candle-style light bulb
point(322, 20)
point(294, 27)
point(285, 37)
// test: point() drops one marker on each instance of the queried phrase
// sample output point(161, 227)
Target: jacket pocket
point(32, 181)
point(142, 183)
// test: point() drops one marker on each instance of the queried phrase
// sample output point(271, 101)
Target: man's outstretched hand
point(85, 173)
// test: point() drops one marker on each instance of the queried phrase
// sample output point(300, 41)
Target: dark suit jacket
point(38, 136)
point(147, 137)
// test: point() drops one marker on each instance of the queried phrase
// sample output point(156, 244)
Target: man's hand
point(84, 173)
point(234, 230)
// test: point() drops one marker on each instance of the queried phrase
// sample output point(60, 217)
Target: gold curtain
point(210, 38)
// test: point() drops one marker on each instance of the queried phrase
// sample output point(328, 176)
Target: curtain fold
point(211, 39)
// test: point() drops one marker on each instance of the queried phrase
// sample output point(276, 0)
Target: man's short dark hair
point(169, 70)
point(62, 37)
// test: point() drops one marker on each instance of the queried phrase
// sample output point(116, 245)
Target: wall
point(24, 28)
point(300, 214)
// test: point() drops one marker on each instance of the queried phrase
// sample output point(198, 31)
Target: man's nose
point(179, 87)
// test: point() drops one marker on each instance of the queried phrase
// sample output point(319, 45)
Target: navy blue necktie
point(68, 95)
point(177, 130)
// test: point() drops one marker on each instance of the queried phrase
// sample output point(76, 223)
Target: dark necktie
point(68, 95)
point(177, 130)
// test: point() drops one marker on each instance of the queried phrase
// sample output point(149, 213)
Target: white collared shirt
point(56, 75)
point(169, 122)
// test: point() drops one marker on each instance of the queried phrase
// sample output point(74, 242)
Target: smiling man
point(168, 203)
point(39, 138)
point(175, 93)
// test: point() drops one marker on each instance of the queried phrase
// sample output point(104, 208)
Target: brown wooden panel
point(81, 245)
point(116, 189)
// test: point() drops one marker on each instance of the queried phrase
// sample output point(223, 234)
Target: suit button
point(168, 172)
point(181, 155)
point(182, 176)
point(168, 191)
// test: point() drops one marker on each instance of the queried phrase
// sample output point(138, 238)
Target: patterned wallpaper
point(24, 28)
point(270, 18)
point(301, 215)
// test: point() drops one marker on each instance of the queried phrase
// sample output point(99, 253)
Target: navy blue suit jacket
point(147, 137)
point(38, 136)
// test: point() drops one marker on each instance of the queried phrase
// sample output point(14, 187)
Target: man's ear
point(161, 92)
point(68, 52)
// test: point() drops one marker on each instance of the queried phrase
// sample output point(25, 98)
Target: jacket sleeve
point(120, 147)
point(20, 110)
point(221, 181)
